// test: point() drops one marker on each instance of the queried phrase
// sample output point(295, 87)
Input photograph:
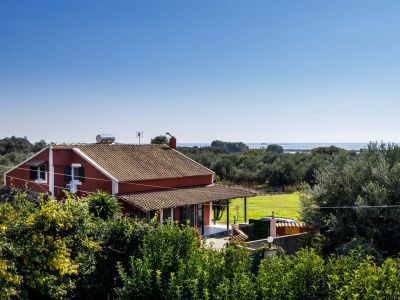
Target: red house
point(145, 178)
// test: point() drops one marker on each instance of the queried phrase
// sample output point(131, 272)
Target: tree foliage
point(64, 249)
point(327, 150)
point(275, 148)
point(271, 169)
point(21, 145)
point(59, 249)
point(46, 245)
point(306, 275)
point(229, 146)
point(198, 273)
point(103, 205)
point(14, 150)
point(358, 182)
point(160, 139)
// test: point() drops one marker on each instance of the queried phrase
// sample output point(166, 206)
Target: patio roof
point(148, 201)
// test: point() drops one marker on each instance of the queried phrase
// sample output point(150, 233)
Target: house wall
point(61, 158)
point(149, 185)
point(96, 180)
point(19, 177)
point(177, 214)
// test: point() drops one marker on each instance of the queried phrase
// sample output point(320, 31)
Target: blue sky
point(252, 71)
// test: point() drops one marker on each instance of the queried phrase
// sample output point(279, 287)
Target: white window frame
point(38, 179)
point(73, 180)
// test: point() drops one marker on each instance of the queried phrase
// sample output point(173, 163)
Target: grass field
point(261, 206)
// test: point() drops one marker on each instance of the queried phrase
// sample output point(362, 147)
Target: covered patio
point(188, 203)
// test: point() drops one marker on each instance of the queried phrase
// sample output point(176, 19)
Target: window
point(189, 213)
point(200, 215)
point(74, 173)
point(38, 173)
point(167, 214)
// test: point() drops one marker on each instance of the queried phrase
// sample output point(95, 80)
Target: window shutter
point(67, 173)
point(81, 174)
point(33, 173)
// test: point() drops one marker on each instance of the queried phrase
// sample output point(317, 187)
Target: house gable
point(94, 179)
point(127, 163)
point(115, 168)
point(19, 176)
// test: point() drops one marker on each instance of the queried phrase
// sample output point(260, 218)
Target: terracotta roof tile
point(147, 201)
point(140, 162)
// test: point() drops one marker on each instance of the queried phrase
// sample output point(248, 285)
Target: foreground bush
point(65, 249)
point(170, 265)
point(46, 245)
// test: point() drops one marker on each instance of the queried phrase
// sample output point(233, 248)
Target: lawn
point(262, 206)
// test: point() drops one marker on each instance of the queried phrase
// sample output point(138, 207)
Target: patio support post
point(245, 209)
point(227, 216)
point(202, 221)
point(214, 213)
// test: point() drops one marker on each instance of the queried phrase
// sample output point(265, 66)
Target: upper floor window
point(37, 171)
point(74, 173)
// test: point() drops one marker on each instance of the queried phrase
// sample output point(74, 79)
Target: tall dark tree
point(15, 144)
point(160, 139)
point(275, 148)
point(39, 145)
point(230, 146)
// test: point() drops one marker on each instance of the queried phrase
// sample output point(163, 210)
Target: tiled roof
point(140, 162)
point(147, 201)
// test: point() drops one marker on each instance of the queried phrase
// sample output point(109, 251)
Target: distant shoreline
point(290, 147)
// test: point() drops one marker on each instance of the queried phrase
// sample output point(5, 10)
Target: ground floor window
point(193, 214)
point(167, 214)
point(200, 215)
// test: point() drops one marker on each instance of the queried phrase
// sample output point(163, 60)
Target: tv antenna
point(139, 135)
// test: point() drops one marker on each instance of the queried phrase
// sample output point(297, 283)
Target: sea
point(290, 147)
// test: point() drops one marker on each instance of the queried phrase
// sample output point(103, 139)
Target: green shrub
point(46, 245)
point(359, 247)
point(369, 281)
point(301, 276)
point(171, 265)
point(103, 205)
point(57, 249)
point(119, 239)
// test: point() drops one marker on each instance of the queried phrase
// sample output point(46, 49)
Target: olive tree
point(358, 197)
